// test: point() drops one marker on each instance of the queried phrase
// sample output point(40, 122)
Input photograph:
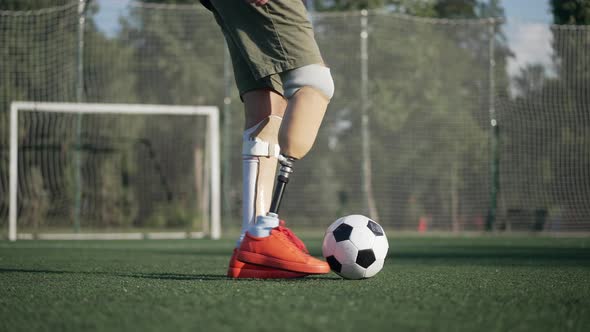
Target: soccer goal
point(113, 171)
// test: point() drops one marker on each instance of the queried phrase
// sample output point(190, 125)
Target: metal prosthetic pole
point(283, 178)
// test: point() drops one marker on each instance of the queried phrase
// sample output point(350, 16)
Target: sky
point(529, 36)
point(529, 10)
point(527, 30)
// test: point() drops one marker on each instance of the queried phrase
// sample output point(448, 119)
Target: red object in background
point(422, 224)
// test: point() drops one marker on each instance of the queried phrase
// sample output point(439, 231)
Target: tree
point(178, 58)
point(19, 5)
point(576, 12)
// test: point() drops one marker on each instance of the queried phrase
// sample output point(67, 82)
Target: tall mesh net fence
point(544, 120)
point(37, 62)
point(421, 92)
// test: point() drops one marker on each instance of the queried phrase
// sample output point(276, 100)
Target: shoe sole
point(263, 260)
point(261, 274)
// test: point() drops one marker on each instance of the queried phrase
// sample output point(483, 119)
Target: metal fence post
point(227, 130)
point(494, 135)
point(79, 98)
point(365, 104)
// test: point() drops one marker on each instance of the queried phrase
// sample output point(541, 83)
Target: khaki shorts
point(265, 41)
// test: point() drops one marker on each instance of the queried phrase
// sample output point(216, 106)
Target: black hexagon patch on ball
point(334, 263)
point(365, 258)
point(342, 232)
point(375, 228)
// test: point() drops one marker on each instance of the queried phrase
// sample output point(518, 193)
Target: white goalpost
point(152, 171)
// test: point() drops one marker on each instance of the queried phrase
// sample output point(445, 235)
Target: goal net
point(113, 171)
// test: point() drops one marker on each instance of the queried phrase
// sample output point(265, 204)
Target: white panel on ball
point(362, 237)
point(345, 252)
point(328, 245)
point(380, 247)
point(356, 220)
point(374, 268)
point(352, 271)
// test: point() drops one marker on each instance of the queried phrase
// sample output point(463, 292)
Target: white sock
point(249, 174)
point(263, 225)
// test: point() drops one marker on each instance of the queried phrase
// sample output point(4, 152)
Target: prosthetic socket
point(309, 91)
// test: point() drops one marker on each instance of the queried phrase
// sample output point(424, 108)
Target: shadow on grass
point(486, 255)
point(160, 276)
point(460, 254)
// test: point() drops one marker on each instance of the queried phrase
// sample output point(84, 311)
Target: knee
point(262, 103)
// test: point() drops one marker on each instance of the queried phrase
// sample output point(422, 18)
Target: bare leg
point(264, 112)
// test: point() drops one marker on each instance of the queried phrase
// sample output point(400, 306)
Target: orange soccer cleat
point(280, 250)
point(296, 241)
point(239, 269)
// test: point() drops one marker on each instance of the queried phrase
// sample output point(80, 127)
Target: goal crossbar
point(212, 113)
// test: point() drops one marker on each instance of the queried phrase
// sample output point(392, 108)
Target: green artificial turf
point(428, 284)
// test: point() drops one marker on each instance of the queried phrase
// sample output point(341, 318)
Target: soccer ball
point(355, 247)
